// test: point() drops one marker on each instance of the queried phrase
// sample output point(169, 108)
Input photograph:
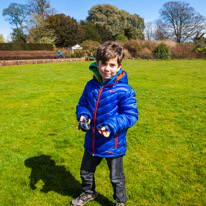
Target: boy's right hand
point(81, 119)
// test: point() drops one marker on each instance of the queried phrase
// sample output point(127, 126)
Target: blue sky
point(148, 9)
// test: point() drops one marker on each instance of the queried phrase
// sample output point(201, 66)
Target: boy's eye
point(103, 64)
point(112, 65)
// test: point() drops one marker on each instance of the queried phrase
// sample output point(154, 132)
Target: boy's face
point(108, 69)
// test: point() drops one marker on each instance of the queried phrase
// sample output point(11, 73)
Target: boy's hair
point(110, 50)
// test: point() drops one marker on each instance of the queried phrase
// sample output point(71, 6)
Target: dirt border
point(37, 61)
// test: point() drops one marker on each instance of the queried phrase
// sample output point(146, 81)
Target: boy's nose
point(107, 67)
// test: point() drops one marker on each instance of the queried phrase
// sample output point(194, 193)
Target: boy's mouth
point(107, 74)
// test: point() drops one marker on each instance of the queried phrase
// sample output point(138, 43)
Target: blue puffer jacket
point(113, 105)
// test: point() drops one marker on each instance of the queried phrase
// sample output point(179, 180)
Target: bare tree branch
point(181, 22)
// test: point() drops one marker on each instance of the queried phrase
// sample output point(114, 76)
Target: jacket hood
point(121, 76)
point(94, 69)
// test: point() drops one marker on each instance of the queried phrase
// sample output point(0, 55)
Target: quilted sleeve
point(82, 106)
point(128, 113)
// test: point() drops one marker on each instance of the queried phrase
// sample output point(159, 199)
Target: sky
point(78, 9)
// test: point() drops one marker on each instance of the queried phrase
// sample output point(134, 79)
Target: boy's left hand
point(103, 131)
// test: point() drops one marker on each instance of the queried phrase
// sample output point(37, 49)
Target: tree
point(41, 34)
point(40, 8)
point(105, 14)
point(117, 21)
point(104, 33)
point(160, 31)
point(200, 40)
point(121, 38)
point(38, 32)
point(91, 32)
point(134, 27)
point(18, 36)
point(181, 21)
point(66, 29)
point(149, 30)
point(96, 32)
point(1, 38)
point(17, 16)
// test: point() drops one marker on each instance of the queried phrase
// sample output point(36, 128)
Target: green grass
point(41, 148)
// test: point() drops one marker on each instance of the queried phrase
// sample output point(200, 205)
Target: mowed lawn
point(41, 148)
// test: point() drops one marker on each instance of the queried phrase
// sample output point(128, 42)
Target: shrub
point(145, 53)
point(133, 46)
point(151, 45)
point(162, 51)
point(140, 49)
point(183, 51)
point(121, 38)
point(78, 54)
point(145, 49)
point(25, 47)
point(90, 48)
point(90, 45)
point(169, 43)
point(201, 52)
point(127, 54)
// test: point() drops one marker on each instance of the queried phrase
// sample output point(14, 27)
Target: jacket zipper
point(95, 115)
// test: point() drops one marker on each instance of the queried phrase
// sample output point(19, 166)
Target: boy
point(109, 105)
point(60, 54)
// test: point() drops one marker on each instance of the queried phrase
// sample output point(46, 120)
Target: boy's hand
point(103, 131)
point(81, 120)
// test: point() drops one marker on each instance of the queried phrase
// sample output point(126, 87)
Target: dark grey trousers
point(115, 164)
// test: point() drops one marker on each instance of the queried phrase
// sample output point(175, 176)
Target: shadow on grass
point(55, 178)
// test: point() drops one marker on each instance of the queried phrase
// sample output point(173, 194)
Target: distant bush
point(162, 51)
point(140, 49)
point(90, 48)
point(90, 45)
point(78, 53)
point(25, 47)
point(127, 54)
point(151, 45)
point(183, 51)
point(136, 48)
point(133, 46)
point(201, 52)
point(145, 53)
point(121, 38)
point(169, 43)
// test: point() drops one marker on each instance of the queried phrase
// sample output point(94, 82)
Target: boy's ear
point(97, 63)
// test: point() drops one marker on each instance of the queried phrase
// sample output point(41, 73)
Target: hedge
point(25, 47)
point(162, 51)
